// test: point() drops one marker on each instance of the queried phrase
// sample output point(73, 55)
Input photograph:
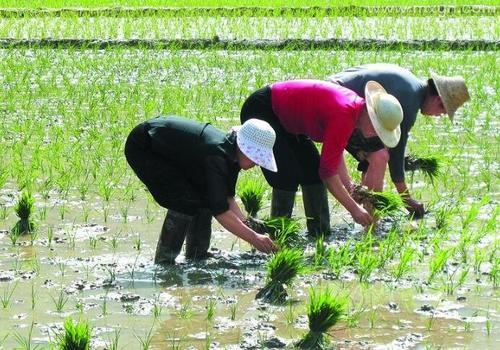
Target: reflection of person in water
point(191, 169)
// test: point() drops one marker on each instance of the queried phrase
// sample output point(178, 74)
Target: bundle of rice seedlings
point(323, 311)
point(76, 336)
point(385, 203)
point(251, 193)
point(283, 231)
point(24, 208)
point(428, 165)
point(282, 269)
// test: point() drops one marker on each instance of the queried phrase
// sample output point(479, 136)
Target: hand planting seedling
point(282, 268)
point(24, 208)
point(385, 203)
point(428, 165)
point(324, 311)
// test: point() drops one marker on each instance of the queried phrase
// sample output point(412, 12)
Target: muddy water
point(97, 272)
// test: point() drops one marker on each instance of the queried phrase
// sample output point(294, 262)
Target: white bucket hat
point(385, 113)
point(255, 138)
point(453, 92)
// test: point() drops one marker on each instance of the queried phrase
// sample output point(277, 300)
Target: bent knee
point(380, 157)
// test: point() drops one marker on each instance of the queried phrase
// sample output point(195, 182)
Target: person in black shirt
point(191, 169)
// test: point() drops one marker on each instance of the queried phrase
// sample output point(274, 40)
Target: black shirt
point(205, 154)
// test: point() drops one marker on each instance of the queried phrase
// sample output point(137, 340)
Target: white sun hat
point(256, 138)
point(385, 113)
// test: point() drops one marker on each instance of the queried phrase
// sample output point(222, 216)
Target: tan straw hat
point(385, 113)
point(453, 92)
point(256, 138)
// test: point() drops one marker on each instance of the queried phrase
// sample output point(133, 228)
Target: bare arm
point(233, 206)
point(231, 222)
point(337, 189)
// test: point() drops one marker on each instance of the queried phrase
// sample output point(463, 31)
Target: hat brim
point(265, 159)
point(390, 138)
point(439, 82)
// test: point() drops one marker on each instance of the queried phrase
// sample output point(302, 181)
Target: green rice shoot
point(385, 203)
point(284, 231)
point(282, 268)
point(428, 165)
point(323, 311)
point(76, 336)
point(252, 193)
point(24, 208)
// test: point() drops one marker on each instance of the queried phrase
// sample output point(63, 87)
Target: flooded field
point(409, 284)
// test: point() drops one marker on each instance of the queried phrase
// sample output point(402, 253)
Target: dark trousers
point(296, 156)
point(163, 178)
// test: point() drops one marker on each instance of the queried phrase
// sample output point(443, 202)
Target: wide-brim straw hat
point(453, 92)
point(256, 138)
point(385, 113)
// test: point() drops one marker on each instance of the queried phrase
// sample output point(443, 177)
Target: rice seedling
point(24, 208)
point(323, 312)
point(112, 343)
point(366, 263)
point(3, 212)
point(430, 166)
point(145, 341)
point(6, 296)
point(61, 301)
point(76, 335)
point(26, 342)
point(211, 305)
point(404, 265)
point(282, 268)
point(339, 259)
point(283, 231)
point(185, 310)
point(321, 253)
point(251, 193)
point(385, 203)
point(233, 307)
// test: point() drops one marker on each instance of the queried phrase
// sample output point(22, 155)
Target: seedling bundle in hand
point(386, 203)
point(428, 165)
point(324, 311)
point(282, 269)
point(24, 209)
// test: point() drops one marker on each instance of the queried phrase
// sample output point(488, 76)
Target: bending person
point(433, 97)
point(303, 111)
point(191, 169)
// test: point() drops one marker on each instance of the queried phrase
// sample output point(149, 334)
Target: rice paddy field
point(76, 77)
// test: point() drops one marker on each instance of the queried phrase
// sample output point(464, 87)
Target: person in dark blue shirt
point(191, 168)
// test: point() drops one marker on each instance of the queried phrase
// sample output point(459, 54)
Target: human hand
point(415, 208)
point(361, 216)
point(264, 244)
point(255, 224)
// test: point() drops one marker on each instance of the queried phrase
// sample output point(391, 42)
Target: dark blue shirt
point(402, 84)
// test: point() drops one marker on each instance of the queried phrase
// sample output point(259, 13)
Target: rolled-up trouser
point(164, 179)
point(297, 156)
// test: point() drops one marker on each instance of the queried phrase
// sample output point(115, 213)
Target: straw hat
point(453, 92)
point(385, 113)
point(255, 138)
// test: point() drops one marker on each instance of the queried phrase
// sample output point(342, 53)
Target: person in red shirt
point(306, 111)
